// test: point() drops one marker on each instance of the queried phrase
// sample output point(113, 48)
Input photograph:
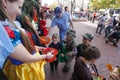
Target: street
point(109, 53)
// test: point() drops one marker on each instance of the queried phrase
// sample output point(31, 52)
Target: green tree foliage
point(102, 4)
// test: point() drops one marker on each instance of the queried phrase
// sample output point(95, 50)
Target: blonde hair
point(25, 39)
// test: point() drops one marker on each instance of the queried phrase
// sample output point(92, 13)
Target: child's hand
point(69, 54)
point(49, 55)
point(62, 55)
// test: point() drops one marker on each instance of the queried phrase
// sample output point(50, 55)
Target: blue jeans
point(62, 34)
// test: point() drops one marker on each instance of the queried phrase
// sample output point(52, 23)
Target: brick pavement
point(109, 53)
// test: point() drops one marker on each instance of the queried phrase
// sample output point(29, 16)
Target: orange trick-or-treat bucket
point(45, 40)
point(109, 66)
point(54, 52)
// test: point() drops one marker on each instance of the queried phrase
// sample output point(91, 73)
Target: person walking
point(101, 25)
point(61, 20)
point(110, 24)
point(94, 15)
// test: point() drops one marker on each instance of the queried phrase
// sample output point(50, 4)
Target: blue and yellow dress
point(17, 70)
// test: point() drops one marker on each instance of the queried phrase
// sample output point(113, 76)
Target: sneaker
point(115, 45)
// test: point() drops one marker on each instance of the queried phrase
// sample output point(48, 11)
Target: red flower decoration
point(10, 32)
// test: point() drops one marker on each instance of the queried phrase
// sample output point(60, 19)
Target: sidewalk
point(90, 23)
point(109, 53)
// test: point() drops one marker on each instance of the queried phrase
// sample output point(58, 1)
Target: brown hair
point(91, 52)
point(4, 15)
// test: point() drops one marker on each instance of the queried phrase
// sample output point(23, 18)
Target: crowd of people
point(23, 22)
point(109, 27)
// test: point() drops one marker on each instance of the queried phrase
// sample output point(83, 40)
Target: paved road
point(110, 54)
